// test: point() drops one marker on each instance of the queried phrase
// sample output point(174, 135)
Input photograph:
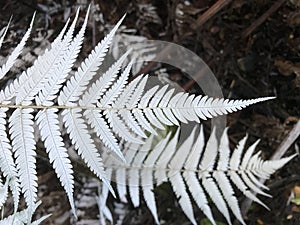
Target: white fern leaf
point(121, 184)
point(132, 175)
point(212, 189)
point(104, 211)
point(155, 154)
point(23, 145)
point(154, 103)
point(223, 180)
point(40, 220)
point(208, 160)
point(126, 115)
point(133, 103)
point(7, 163)
point(19, 218)
point(117, 111)
point(176, 104)
point(207, 165)
point(267, 168)
point(233, 173)
point(103, 131)
point(102, 84)
point(77, 84)
point(23, 217)
point(191, 179)
point(197, 174)
point(118, 126)
point(83, 143)
point(147, 111)
point(248, 178)
point(166, 155)
point(49, 129)
point(16, 52)
point(65, 60)
point(176, 179)
point(33, 80)
point(163, 104)
point(95, 117)
point(148, 188)
point(116, 89)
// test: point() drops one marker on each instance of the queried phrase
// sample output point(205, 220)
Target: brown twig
point(210, 12)
point(217, 7)
point(262, 18)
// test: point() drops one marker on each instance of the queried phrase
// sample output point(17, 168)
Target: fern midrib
point(181, 170)
point(107, 108)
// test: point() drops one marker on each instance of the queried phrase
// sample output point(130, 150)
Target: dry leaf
point(286, 68)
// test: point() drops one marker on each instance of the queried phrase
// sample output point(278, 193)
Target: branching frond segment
point(197, 172)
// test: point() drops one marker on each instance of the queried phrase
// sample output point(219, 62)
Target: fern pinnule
point(24, 217)
point(76, 86)
point(95, 117)
point(34, 79)
point(114, 119)
point(193, 184)
point(7, 163)
point(65, 61)
point(177, 180)
point(16, 52)
point(23, 145)
point(47, 121)
point(125, 115)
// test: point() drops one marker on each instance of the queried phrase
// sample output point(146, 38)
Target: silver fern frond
point(196, 171)
point(107, 105)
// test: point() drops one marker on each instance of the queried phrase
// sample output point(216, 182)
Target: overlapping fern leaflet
point(7, 163)
point(24, 217)
point(23, 145)
point(196, 171)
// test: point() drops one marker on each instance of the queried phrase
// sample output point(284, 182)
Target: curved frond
point(197, 172)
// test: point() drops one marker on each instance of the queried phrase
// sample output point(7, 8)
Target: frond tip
point(198, 172)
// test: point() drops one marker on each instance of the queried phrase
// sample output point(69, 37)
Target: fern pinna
point(195, 170)
point(47, 94)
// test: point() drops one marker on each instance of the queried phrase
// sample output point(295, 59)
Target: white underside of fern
point(197, 172)
point(114, 109)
